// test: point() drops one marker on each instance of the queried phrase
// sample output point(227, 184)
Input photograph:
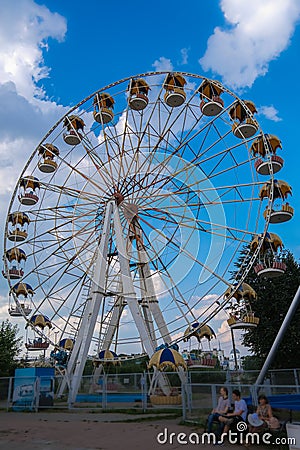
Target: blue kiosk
point(33, 388)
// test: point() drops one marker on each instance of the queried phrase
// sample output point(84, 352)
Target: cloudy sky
point(53, 54)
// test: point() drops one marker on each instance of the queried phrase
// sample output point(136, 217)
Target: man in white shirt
point(239, 413)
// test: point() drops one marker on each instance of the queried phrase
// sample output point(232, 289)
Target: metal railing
point(130, 391)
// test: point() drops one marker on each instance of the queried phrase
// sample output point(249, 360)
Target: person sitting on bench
point(222, 408)
point(239, 413)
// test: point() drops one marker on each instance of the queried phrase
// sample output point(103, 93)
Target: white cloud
point(25, 112)
point(256, 34)
point(269, 112)
point(163, 64)
point(23, 38)
point(184, 56)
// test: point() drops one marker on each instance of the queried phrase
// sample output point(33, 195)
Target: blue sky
point(53, 54)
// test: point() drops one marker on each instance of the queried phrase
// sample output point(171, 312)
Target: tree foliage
point(274, 297)
point(10, 347)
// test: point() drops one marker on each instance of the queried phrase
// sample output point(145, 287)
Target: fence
point(200, 398)
point(130, 391)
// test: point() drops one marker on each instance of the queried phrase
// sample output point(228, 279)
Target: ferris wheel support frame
point(150, 299)
point(80, 352)
point(82, 343)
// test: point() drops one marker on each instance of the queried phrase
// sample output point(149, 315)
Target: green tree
point(274, 297)
point(10, 347)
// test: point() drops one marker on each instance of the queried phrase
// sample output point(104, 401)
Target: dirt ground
point(94, 431)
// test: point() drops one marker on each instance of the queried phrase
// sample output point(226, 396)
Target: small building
point(232, 364)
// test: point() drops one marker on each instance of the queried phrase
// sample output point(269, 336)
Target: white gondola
point(47, 153)
point(18, 223)
point(138, 102)
point(103, 108)
point(16, 311)
point(138, 94)
point(17, 235)
point(212, 107)
point(23, 292)
point(211, 102)
point(259, 148)
point(15, 260)
point(244, 125)
point(73, 125)
point(245, 130)
point(285, 214)
point(275, 270)
point(263, 167)
point(175, 95)
point(28, 190)
point(246, 322)
point(281, 211)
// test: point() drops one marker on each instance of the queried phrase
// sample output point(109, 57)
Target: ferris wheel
point(125, 223)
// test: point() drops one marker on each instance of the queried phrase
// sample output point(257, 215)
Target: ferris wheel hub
point(119, 198)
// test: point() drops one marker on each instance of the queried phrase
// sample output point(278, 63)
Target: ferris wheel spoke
point(181, 249)
point(201, 225)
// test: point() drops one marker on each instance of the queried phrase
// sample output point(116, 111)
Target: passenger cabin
point(17, 226)
point(210, 95)
point(281, 211)
point(270, 264)
point(103, 108)
point(15, 261)
point(47, 155)
point(74, 125)
point(138, 94)
point(28, 190)
point(264, 144)
point(244, 126)
point(174, 87)
point(23, 293)
point(239, 307)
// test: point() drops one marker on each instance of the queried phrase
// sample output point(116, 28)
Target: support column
point(83, 339)
point(289, 315)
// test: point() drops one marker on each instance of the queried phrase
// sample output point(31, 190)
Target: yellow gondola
point(211, 102)
point(28, 187)
point(165, 359)
point(174, 86)
point(259, 148)
point(199, 332)
point(18, 223)
point(106, 358)
point(15, 256)
point(103, 108)
point(284, 212)
point(270, 264)
point(245, 291)
point(244, 125)
point(241, 314)
point(73, 125)
point(47, 154)
point(271, 241)
point(67, 344)
point(38, 343)
point(138, 94)
point(246, 321)
point(24, 293)
point(281, 190)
